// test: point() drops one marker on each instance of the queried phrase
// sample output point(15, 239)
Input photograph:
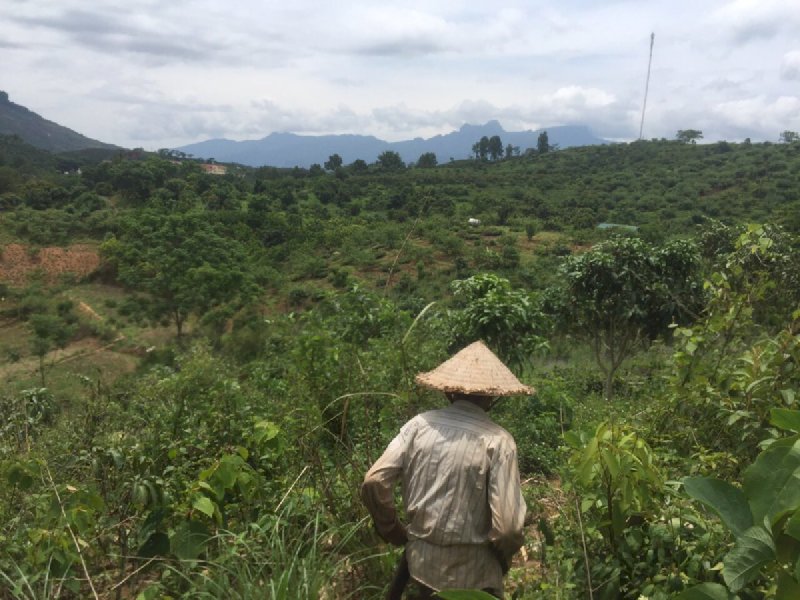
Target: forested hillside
point(39, 132)
point(198, 369)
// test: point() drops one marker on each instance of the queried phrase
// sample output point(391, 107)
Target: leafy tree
point(10, 179)
point(508, 320)
point(50, 331)
point(391, 161)
point(689, 136)
point(427, 160)
point(185, 266)
point(476, 150)
point(762, 515)
point(483, 147)
point(789, 137)
point(359, 166)
point(334, 162)
point(623, 292)
point(542, 143)
point(495, 147)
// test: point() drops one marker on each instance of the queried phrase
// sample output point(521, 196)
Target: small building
point(214, 169)
point(617, 226)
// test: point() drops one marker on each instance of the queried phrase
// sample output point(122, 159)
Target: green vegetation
point(194, 417)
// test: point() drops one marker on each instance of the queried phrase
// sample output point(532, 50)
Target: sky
point(160, 74)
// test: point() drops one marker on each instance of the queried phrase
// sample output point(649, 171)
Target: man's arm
point(377, 492)
point(507, 507)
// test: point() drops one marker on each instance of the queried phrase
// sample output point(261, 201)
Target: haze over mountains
point(289, 149)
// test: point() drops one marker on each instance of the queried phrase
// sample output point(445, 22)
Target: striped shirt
point(461, 492)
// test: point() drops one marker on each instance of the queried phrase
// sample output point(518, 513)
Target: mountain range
point(289, 149)
point(39, 132)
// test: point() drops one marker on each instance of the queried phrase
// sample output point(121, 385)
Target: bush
point(537, 424)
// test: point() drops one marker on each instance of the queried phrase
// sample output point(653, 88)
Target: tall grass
point(279, 558)
point(17, 584)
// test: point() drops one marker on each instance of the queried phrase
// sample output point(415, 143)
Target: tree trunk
point(41, 369)
point(608, 386)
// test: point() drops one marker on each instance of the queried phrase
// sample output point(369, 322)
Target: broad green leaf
point(464, 595)
point(572, 439)
point(753, 550)
point(705, 591)
point(226, 473)
point(724, 499)
point(189, 540)
point(793, 525)
point(152, 592)
point(204, 505)
point(772, 482)
point(788, 588)
point(611, 462)
point(785, 418)
point(156, 545)
point(19, 475)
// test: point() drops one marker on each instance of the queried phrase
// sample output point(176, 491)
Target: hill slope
point(39, 132)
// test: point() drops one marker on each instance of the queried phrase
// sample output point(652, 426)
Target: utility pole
point(647, 83)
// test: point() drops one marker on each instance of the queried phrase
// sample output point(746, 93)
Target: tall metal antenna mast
point(647, 84)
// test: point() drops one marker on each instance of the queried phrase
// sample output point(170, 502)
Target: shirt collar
point(470, 407)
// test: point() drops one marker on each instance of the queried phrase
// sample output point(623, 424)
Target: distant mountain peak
point(290, 150)
point(492, 127)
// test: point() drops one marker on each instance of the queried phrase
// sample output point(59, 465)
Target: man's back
point(462, 496)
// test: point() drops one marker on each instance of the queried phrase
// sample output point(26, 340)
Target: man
point(460, 482)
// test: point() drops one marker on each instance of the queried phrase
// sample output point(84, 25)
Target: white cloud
point(790, 66)
point(773, 115)
point(157, 73)
point(750, 20)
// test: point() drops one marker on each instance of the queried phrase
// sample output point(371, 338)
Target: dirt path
point(29, 366)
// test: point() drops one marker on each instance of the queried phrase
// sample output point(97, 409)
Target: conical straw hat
point(474, 370)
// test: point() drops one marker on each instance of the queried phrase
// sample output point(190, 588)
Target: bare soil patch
point(18, 262)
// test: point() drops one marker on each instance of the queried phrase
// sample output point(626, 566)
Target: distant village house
point(214, 169)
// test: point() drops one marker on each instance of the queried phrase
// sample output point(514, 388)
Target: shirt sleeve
point(377, 489)
point(506, 504)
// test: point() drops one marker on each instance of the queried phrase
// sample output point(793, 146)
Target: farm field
point(197, 370)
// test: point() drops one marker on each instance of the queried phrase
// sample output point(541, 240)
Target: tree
point(427, 160)
point(50, 332)
point(359, 166)
point(391, 161)
point(508, 320)
point(333, 163)
point(495, 147)
point(181, 262)
point(623, 292)
point(689, 136)
point(789, 137)
point(542, 143)
point(483, 147)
